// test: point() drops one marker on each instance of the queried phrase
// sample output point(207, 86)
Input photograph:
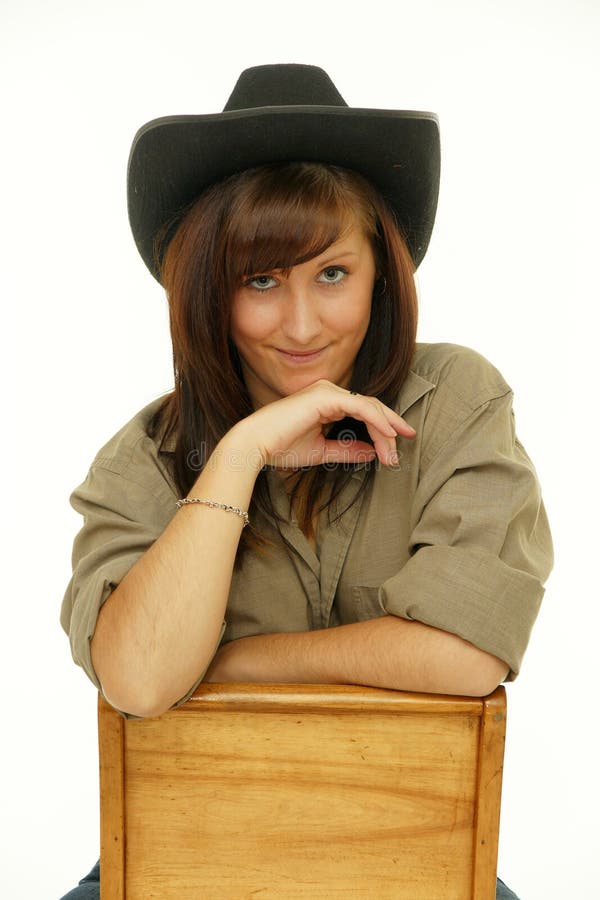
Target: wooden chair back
point(297, 791)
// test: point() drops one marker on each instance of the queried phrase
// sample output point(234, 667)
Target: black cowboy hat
point(282, 113)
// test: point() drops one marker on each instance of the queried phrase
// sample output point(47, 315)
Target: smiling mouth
point(300, 357)
point(302, 352)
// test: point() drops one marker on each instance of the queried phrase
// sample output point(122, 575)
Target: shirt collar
point(169, 444)
point(414, 388)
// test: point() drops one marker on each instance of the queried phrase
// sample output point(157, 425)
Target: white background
point(511, 270)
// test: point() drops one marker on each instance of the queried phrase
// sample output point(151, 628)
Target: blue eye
point(260, 282)
point(333, 274)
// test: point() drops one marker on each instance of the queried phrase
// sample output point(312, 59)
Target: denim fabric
point(503, 892)
point(89, 888)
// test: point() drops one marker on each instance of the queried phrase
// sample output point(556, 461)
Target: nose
point(301, 323)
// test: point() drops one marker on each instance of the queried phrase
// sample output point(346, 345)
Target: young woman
point(396, 533)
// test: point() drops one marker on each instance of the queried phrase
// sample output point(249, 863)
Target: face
point(322, 305)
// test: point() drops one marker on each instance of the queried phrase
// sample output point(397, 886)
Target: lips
point(302, 352)
point(301, 356)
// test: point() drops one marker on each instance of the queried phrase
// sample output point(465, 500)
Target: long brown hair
point(274, 217)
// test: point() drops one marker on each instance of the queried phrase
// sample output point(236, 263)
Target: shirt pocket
point(365, 603)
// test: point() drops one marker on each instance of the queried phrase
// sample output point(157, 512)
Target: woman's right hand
point(288, 433)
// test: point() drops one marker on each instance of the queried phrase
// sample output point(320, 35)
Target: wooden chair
point(289, 791)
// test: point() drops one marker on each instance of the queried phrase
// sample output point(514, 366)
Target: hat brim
point(174, 159)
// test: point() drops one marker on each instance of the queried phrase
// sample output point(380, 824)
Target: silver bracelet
point(215, 503)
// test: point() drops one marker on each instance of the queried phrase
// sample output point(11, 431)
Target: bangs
point(285, 215)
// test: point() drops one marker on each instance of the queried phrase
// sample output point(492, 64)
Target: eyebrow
point(344, 254)
point(341, 255)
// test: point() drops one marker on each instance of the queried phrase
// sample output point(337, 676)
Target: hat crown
point(285, 84)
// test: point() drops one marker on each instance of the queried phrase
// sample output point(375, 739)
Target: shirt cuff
point(471, 593)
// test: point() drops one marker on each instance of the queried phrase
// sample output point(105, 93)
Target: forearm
point(386, 652)
point(158, 629)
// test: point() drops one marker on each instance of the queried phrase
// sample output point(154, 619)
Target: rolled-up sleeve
point(480, 545)
point(122, 519)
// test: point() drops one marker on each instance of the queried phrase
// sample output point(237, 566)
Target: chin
point(305, 379)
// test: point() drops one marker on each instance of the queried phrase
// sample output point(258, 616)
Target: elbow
point(483, 677)
point(140, 698)
point(130, 695)
point(132, 687)
point(137, 696)
point(460, 668)
point(142, 706)
point(128, 703)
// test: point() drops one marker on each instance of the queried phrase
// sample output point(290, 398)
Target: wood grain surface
point(304, 791)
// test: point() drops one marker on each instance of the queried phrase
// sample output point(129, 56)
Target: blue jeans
point(89, 888)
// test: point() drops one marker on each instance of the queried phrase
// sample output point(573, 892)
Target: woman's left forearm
point(386, 652)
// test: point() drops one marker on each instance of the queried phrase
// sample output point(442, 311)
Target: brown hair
point(274, 217)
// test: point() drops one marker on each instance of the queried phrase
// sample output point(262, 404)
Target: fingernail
point(394, 459)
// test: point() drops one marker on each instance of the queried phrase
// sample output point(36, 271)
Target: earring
point(382, 284)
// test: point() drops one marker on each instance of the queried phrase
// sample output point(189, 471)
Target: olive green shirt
point(455, 536)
